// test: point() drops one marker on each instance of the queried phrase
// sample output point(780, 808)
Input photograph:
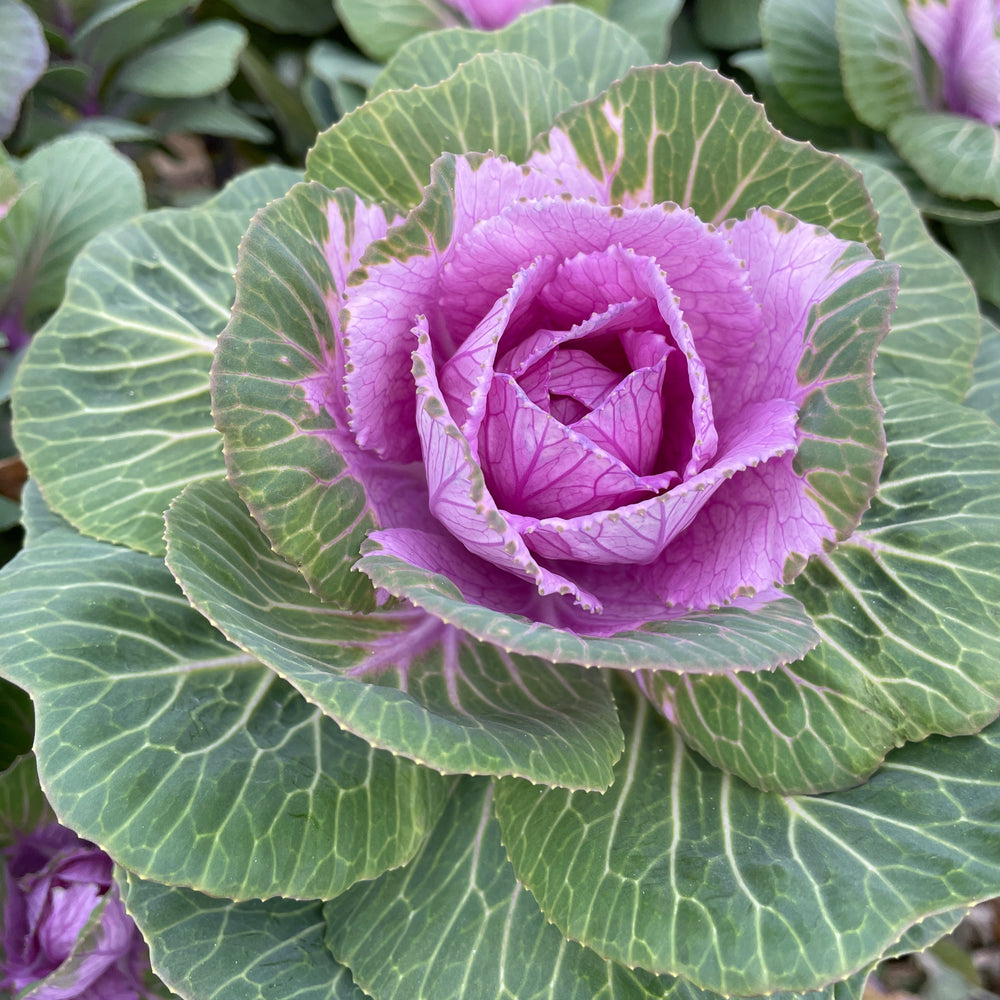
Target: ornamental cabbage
point(492, 14)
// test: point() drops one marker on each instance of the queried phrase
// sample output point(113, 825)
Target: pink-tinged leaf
point(536, 466)
point(578, 375)
point(493, 14)
point(637, 534)
point(963, 38)
point(400, 282)
point(459, 498)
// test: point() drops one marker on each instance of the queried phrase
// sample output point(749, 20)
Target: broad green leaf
point(300, 490)
point(584, 52)
point(36, 515)
point(215, 949)
point(217, 115)
point(978, 248)
point(728, 24)
point(18, 727)
point(195, 63)
point(649, 21)
point(985, 392)
point(455, 925)
point(345, 75)
point(384, 149)
point(802, 51)
point(23, 55)
point(935, 328)
point(111, 404)
point(689, 136)
point(880, 61)
point(23, 806)
point(681, 869)
point(907, 609)
point(378, 29)
point(179, 755)
point(397, 677)
point(299, 17)
point(71, 189)
point(701, 642)
point(955, 156)
point(119, 27)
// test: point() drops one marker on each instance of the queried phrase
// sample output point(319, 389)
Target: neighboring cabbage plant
point(564, 537)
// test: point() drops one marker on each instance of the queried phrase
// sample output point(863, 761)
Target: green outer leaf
point(908, 611)
point(728, 24)
point(935, 328)
point(384, 149)
point(978, 248)
point(455, 925)
point(212, 116)
point(111, 404)
point(397, 678)
point(680, 868)
point(985, 392)
point(583, 51)
point(280, 460)
point(649, 21)
point(23, 806)
point(930, 143)
point(299, 17)
point(23, 55)
point(195, 63)
point(379, 29)
point(122, 26)
point(689, 136)
point(179, 755)
point(702, 641)
point(215, 949)
point(880, 61)
point(802, 51)
point(71, 189)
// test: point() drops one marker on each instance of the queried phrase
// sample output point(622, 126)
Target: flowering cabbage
point(57, 884)
point(493, 14)
point(963, 37)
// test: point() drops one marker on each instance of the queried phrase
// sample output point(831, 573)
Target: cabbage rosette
point(559, 549)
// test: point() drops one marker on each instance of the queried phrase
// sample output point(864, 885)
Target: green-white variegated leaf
point(804, 57)
point(935, 327)
point(206, 948)
point(682, 869)
point(384, 149)
point(378, 29)
point(583, 51)
point(71, 189)
point(111, 403)
point(978, 248)
point(399, 678)
point(455, 925)
point(955, 156)
point(693, 138)
point(880, 61)
point(181, 756)
point(985, 392)
point(908, 611)
point(23, 54)
point(649, 21)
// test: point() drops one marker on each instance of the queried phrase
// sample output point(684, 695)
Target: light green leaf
point(23, 806)
point(649, 21)
point(71, 190)
point(378, 29)
point(384, 149)
point(955, 156)
point(298, 17)
point(685, 134)
point(195, 63)
point(682, 869)
point(935, 328)
point(907, 609)
point(344, 74)
point(880, 61)
point(397, 677)
point(112, 403)
point(119, 27)
point(179, 755)
point(455, 925)
point(985, 392)
point(215, 949)
point(802, 51)
point(728, 24)
point(584, 52)
point(978, 248)
point(23, 55)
